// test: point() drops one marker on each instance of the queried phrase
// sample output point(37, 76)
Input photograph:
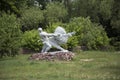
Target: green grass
point(102, 66)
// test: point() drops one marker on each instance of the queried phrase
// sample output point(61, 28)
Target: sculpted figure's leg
point(43, 49)
point(46, 47)
point(58, 47)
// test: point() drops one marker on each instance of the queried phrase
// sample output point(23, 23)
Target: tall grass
point(88, 65)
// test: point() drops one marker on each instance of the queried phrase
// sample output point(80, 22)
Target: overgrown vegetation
point(88, 65)
point(10, 35)
point(88, 34)
point(31, 18)
point(96, 22)
point(55, 12)
point(31, 40)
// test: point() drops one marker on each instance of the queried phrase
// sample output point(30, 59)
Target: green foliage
point(31, 18)
point(55, 12)
point(9, 35)
point(104, 12)
point(105, 8)
point(84, 8)
point(96, 9)
point(115, 42)
point(51, 28)
point(30, 40)
point(114, 32)
point(72, 43)
point(115, 22)
point(88, 34)
point(12, 5)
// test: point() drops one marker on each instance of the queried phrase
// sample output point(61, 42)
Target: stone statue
point(54, 39)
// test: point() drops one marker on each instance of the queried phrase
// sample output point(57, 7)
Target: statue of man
point(53, 39)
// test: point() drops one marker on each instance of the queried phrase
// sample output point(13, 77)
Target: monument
point(49, 40)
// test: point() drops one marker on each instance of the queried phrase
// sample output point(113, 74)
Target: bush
point(72, 42)
point(88, 34)
point(31, 18)
point(115, 42)
point(9, 35)
point(30, 40)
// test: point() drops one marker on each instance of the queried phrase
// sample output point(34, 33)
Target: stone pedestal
point(51, 56)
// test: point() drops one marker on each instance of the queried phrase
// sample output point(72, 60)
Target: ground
point(87, 65)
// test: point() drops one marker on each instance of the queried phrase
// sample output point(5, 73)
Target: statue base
point(51, 56)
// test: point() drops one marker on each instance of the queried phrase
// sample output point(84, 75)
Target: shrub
point(72, 42)
point(115, 42)
point(9, 35)
point(88, 34)
point(30, 40)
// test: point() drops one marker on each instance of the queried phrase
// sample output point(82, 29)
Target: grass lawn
point(88, 65)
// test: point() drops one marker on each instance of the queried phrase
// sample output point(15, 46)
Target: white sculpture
point(54, 39)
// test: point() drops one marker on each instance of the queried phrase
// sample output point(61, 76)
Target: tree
point(12, 6)
point(114, 31)
point(104, 12)
point(55, 12)
point(84, 8)
point(115, 20)
point(31, 18)
point(10, 35)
